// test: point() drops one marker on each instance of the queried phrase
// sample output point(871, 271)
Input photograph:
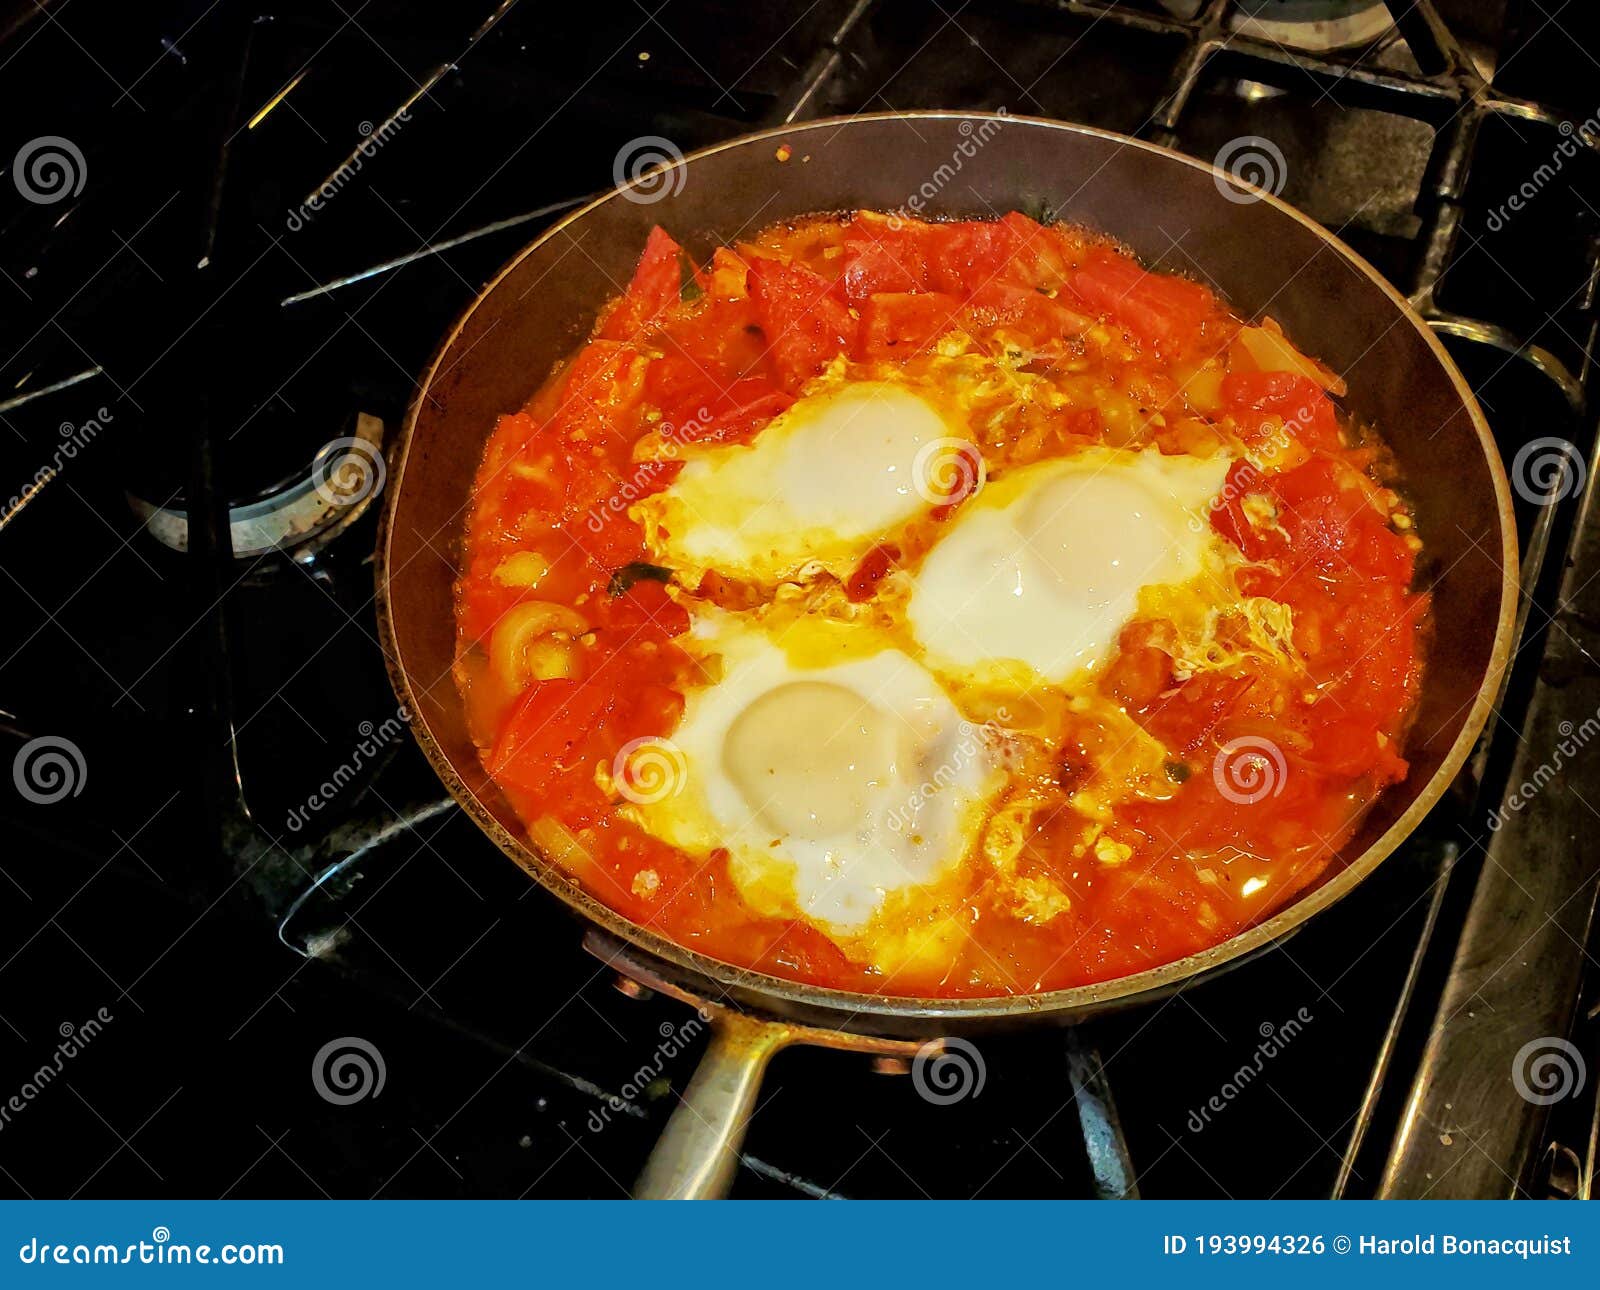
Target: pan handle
point(698, 1154)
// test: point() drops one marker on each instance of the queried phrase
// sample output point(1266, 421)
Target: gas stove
point(243, 924)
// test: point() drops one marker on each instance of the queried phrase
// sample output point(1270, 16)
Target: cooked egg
point(816, 489)
point(832, 786)
point(1044, 567)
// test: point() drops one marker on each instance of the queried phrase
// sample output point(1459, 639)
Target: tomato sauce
point(567, 630)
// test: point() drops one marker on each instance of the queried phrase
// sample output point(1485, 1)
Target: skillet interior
point(1261, 256)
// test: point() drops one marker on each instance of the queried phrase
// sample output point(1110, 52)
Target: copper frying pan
point(1260, 254)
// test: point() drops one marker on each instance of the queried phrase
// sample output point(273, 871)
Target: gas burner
point(301, 518)
point(1315, 26)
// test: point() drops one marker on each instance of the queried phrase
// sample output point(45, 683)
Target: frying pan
point(1174, 211)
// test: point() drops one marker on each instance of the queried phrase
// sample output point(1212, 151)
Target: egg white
point(815, 490)
point(1039, 572)
point(832, 785)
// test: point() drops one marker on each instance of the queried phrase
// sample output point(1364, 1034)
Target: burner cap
point(301, 516)
point(1315, 26)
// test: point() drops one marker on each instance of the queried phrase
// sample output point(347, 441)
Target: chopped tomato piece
point(644, 611)
point(960, 255)
point(1158, 309)
point(899, 323)
point(1025, 251)
point(740, 411)
point(1331, 523)
point(1229, 518)
point(1138, 675)
point(556, 733)
point(607, 537)
point(601, 392)
point(678, 383)
point(872, 570)
point(722, 333)
point(1306, 412)
point(702, 403)
point(1025, 312)
point(1366, 637)
point(881, 259)
point(1351, 746)
point(566, 477)
point(806, 327)
point(1189, 715)
point(1319, 515)
point(561, 730)
point(656, 288)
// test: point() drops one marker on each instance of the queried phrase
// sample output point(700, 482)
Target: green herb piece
point(625, 577)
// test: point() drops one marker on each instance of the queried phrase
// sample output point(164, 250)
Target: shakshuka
point(937, 608)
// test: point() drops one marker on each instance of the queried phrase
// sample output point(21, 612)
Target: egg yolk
point(807, 755)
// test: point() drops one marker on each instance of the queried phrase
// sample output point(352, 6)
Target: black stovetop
point(186, 324)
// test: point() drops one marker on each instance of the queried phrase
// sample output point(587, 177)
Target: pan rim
point(1073, 1000)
